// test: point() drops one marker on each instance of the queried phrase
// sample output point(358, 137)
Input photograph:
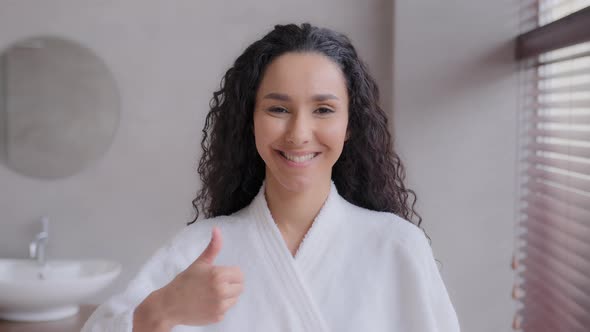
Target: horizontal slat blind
point(535, 13)
point(552, 10)
point(552, 261)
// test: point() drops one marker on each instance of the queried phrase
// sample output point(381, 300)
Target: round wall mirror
point(59, 107)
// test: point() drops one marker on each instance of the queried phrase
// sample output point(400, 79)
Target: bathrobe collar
point(312, 252)
point(317, 237)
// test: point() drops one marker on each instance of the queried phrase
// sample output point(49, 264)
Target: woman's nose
point(299, 130)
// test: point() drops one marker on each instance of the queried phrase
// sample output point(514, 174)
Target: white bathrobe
point(356, 270)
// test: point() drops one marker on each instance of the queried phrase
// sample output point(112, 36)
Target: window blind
point(552, 255)
point(552, 10)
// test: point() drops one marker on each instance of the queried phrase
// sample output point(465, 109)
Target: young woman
point(308, 220)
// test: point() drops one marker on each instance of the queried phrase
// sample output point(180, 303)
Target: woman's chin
point(298, 184)
point(295, 184)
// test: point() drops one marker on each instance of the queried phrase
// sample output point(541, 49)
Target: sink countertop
point(71, 324)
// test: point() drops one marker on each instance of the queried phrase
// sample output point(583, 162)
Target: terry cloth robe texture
point(356, 270)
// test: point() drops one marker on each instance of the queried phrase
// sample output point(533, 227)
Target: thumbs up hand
point(202, 293)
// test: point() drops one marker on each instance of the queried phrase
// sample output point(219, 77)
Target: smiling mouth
point(298, 159)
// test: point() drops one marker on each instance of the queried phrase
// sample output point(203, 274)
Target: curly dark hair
point(368, 173)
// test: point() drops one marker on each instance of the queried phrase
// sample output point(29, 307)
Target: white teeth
point(298, 159)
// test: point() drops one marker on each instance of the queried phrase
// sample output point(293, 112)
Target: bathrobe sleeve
point(116, 315)
point(440, 311)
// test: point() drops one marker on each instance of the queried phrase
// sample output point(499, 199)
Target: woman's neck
point(294, 212)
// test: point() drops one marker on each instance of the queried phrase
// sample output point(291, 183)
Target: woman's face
point(300, 119)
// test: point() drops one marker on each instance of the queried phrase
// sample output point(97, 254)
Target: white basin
point(29, 292)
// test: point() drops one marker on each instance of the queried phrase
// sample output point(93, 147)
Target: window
point(552, 258)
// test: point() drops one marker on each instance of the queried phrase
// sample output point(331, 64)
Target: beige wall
point(455, 127)
point(2, 107)
point(167, 58)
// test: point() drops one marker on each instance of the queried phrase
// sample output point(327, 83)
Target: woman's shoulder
point(406, 240)
point(385, 225)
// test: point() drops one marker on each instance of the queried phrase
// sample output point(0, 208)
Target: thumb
point(212, 250)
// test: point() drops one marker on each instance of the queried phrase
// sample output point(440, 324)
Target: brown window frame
point(566, 31)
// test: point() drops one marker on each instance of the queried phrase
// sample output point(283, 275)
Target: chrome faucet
point(37, 246)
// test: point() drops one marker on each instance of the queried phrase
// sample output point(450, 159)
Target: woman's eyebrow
point(284, 97)
point(323, 97)
point(277, 96)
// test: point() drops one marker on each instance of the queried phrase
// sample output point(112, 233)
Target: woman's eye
point(278, 110)
point(324, 110)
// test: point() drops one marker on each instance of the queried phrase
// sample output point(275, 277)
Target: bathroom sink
point(31, 292)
